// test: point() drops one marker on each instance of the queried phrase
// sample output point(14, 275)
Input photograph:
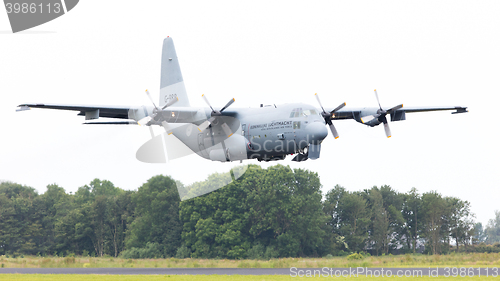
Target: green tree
point(120, 214)
point(380, 223)
point(479, 235)
point(492, 229)
point(156, 216)
point(336, 242)
point(461, 220)
point(434, 209)
point(354, 220)
point(276, 209)
point(412, 214)
point(20, 221)
point(56, 204)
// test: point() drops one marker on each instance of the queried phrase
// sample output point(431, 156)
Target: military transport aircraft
point(265, 133)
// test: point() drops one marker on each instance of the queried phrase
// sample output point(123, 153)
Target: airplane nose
point(316, 132)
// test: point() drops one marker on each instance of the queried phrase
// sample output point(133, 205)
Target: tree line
point(266, 213)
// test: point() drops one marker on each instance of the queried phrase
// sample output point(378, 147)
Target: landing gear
point(302, 155)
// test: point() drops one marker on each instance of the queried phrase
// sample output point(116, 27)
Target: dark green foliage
point(265, 214)
point(349, 219)
point(183, 252)
point(20, 219)
point(156, 216)
point(412, 213)
point(93, 220)
point(152, 250)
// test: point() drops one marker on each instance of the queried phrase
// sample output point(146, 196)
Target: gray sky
point(417, 53)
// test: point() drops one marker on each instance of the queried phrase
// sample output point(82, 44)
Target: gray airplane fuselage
point(276, 131)
point(265, 133)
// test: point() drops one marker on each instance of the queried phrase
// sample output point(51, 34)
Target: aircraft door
point(201, 145)
point(205, 143)
point(288, 140)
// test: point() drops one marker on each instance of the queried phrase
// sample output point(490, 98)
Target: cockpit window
point(298, 112)
point(308, 112)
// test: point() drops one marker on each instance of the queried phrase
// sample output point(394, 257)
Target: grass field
point(75, 277)
point(468, 260)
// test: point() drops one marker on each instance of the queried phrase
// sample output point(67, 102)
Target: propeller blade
point(338, 108)
point(165, 125)
point(328, 117)
point(376, 95)
point(387, 130)
point(226, 130)
point(227, 105)
point(169, 103)
point(317, 98)
point(394, 108)
point(206, 100)
point(367, 119)
point(144, 120)
point(149, 96)
point(203, 126)
point(334, 131)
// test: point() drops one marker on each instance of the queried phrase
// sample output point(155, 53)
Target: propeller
point(381, 116)
point(214, 115)
point(156, 111)
point(329, 115)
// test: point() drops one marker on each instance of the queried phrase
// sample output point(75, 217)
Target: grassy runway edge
point(452, 260)
point(77, 277)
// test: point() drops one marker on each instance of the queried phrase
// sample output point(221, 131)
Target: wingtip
point(23, 107)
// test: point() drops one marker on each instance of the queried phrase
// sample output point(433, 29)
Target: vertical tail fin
point(171, 82)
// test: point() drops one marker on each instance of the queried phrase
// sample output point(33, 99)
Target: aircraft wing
point(171, 114)
point(354, 113)
point(84, 110)
point(459, 109)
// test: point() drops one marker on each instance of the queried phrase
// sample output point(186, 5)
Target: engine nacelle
point(398, 116)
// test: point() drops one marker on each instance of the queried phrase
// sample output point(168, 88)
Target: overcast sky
point(419, 53)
